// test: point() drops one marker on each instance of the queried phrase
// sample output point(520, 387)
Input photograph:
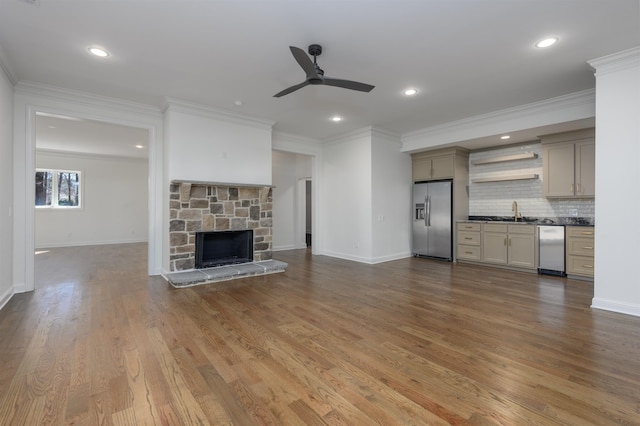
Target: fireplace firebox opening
point(223, 248)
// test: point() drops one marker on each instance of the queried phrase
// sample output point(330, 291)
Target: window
point(57, 188)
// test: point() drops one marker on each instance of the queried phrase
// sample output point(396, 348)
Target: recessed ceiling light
point(546, 42)
point(410, 92)
point(139, 146)
point(336, 118)
point(99, 52)
point(238, 103)
point(505, 137)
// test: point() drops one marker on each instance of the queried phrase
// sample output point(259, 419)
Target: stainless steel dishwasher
point(551, 255)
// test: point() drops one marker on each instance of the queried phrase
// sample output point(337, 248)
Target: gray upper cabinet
point(569, 164)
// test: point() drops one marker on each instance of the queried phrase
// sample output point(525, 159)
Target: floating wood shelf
point(515, 157)
point(506, 178)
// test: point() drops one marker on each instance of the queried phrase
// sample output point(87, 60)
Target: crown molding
point(295, 144)
point(479, 126)
point(84, 98)
point(8, 71)
point(345, 137)
point(91, 155)
point(179, 105)
point(619, 61)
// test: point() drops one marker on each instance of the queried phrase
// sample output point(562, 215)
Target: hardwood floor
point(329, 341)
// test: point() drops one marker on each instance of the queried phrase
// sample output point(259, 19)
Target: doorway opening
point(308, 212)
point(110, 163)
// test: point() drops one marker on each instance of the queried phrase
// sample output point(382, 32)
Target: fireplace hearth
point(223, 248)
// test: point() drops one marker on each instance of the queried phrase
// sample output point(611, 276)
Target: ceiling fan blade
point(291, 89)
point(304, 61)
point(347, 84)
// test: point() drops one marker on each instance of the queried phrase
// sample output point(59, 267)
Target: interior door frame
point(27, 103)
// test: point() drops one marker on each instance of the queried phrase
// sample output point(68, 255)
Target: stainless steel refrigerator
point(432, 219)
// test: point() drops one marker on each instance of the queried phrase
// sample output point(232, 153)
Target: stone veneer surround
point(202, 207)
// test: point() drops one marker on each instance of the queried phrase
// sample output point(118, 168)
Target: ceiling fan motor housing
point(315, 50)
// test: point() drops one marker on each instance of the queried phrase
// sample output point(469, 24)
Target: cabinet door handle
point(588, 266)
point(468, 252)
point(588, 247)
point(578, 188)
point(509, 242)
point(571, 188)
point(505, 241)
point(468, 238)
point(587, 232)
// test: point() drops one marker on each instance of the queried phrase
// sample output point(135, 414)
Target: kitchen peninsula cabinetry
point(569, 164)
point(509, 245)
point(580, 250)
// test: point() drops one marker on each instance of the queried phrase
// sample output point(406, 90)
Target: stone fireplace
point(196, 207)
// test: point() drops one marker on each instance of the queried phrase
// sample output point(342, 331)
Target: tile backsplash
point(496, 198)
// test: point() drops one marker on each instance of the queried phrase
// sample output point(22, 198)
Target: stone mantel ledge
point(223, 184)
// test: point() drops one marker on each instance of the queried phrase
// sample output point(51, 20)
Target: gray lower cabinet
point(498, 244)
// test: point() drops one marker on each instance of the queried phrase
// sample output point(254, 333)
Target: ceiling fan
point(315, 75)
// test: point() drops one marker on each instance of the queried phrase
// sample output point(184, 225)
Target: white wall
point(390, 212)
point(6, 193)
point(288, 170)
point(114, 202)
point(366, 198)
point(617, 282)
point(204, 145)
point(347, 170)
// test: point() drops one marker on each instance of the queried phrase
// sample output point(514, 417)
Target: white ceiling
point(466, 57)
point(71, 134)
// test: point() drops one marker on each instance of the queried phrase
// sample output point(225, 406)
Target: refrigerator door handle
point(427, 215)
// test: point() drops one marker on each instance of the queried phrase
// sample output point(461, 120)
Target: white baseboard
point(347, 256)
point(4, 298)
point(289, 247)
point(87, 243)
point(616, 306)
point(283, 248)
point(390, 257)
point(368, 260)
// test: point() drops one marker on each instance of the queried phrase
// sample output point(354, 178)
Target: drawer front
point(580, 246)
point(580, 231)
point(522, 229)
point(469, 237)
point(492, 227)
point(468, 252)
point(580, 265)
point(463, 226)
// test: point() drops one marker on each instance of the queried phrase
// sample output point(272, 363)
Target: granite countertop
point(560, 221)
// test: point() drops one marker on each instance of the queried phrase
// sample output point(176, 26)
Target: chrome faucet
point(514, 209)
